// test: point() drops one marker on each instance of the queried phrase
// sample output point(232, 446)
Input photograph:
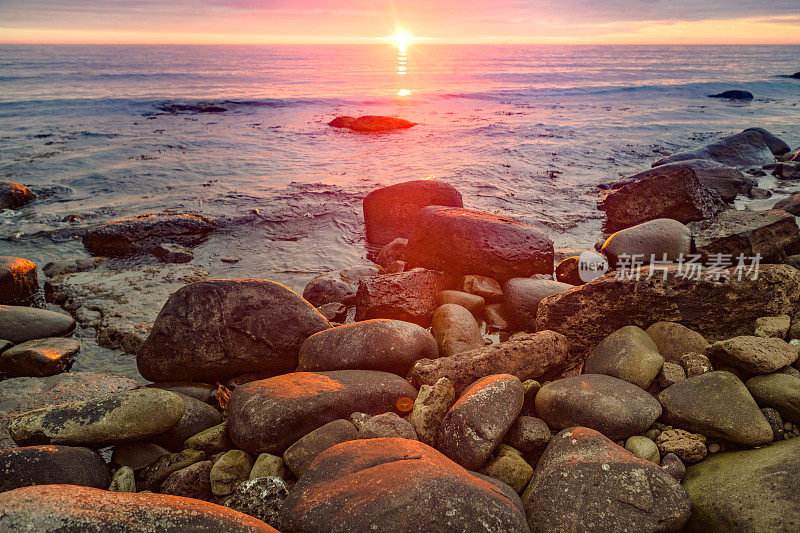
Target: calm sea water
point(526, 131)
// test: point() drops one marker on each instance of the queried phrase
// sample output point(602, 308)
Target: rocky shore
point(473, 378)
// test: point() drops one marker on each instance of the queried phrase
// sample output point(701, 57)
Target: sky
point(442, 21)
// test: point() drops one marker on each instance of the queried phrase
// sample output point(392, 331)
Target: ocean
point(107, 132)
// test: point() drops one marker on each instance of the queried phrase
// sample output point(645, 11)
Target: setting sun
point(402, 39)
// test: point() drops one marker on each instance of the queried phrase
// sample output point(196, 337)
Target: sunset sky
point(356, 21)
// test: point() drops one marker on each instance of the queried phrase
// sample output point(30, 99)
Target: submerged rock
point(13, 195)
point(339, 286)
point(19, 323)
point(371, 123)
point(742, 150)
point(733, 95)
point(409, 296)
point(39, 357)
point(45, 465)
point(18, 281)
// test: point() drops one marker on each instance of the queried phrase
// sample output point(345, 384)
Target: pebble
point(430, 408)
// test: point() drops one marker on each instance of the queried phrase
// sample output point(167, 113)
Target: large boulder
point(39, 357)
point(70, 508)
point(743, 150)
point(19, 323)
point(271, 414)
point(339, 286)
point(409, 296)
point(660, 239)
point(526, 357)
point(750, 490)
point(371, 123)
point(775, 144)
point(13, 195)
point(779, 391)
point(678, 195)
point(46, 465)
point(392, 212)
point(218, 329)
point(388, 345)
point(18, 281)
point(396, 485)
point(462, 241)
point(585, 482)
point(717, 309)
point(628, 354)
point(522, 297)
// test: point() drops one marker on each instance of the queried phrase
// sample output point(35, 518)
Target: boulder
point(13, 195)
point(776, 145)
point(62, 508)
point(528, 434)
point(643, 448)
point(713, 308)
point(123, 480)
point(742, 150)
point(461, 241)
point(716, 404)
point(271, 414)
point(19, 323)
point(229, 471)
point(479, 420)
point(485, 287)
point(197, 417)
point(432, 404)
point(750, 490)
point(688, 447)
point(662, 239)
point(522, 297)
point(339, 286)
point(387, 425)
point(152, 477)
point(409, 296)
point(194, 481)
point(18, 281)
point(122, 417)
point(268, 465)
point(695, 364)
point(568, 271)
point(471, 302)
point(71, 265)
point(169, 252)
point(260, 498)
point(528, 357)
point(140, 234)
point(628, 354)
point(371, 123)
point(790, 205)
point(733, 95)
point(212, 440)
point(678, 195)
point(773, 326)
point(753, 355)
point(670, 374)
point(779, 391)
point(748, 233)
point(46, 465)
point(673, 340)
point(205, 392)
point(388, 345)
point(392, 252)
point(615, 408)
point(299, 456)
point(455, 330)
point(673, 465)
point(496, 317)
point(395, 485)
point(789, 170)
point(39, 357)
point(585, 482)
point(508, 466)
point(392, 212)
point(214, 330)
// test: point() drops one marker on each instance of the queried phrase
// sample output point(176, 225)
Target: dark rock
point(137, 455)
point(472, 302)
point(19, 324)
point(392, 252)
point(217, 329)
point(776, 145)
point(205, 392)
point(775, 422)
point(485, 287)
point(790, 205)
point(462, 241)
point(392, 212)
point(18, 281)
point(522, 299)
point(39, 357)
point(333, 312)
point(395, 485)
point(45, 465)
point(141, 233)
point(409, 296)
point(299, 456)
point(271, 414)
point(154, 475)
point(194, 481)
point(197, 417)
point(496, 317)
point(72, 265)
point(388, 345)
point(628, 354)
point(172, 253)
point(455, 330)
point(787, 171)
point(339, 286)
point(528, 434)
point(13, 195)
point(753, 355)
point(670, 374)
point(662, 239)
point(211, 440)
point(260, 498)
point(371, 123)
point(779, 391)
point(675, 340)
point(733, 95)
point(386, 425)
point(743, 150)
point(567, 271)
point(673, 466)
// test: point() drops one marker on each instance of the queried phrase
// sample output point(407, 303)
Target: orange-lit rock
point(409, 296)
point(13, 195)
point(39, 357)
point(371, 123)
point(18, 280)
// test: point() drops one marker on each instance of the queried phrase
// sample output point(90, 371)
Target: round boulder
point(18, 281)
point(658, 240)
point(13, 195)
point(523, 296)
point(629, 354)
point(455, 330)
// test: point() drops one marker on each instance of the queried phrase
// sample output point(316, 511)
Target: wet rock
point(679, 196)
point(387, 425)
point(197, 417)
point(790, 205)
point(18, 281)
point(271, 414)
point(122, 417)
point(567, 271)
point(299, 456)
point(339, 286)
point(409, 296)
point(71, 265)
point(51, 508)
point(487, 288)
point(773, 326)
point(712, 308)
point(522, 297)
point(585, 482)
point(661, 239)
point(614, 407)
point(748, 233)
point(643, 448)
point(716, 404)
point(137, 455)
point(479, 420)
point(787, 171)
point(260, 498)
point(123, 480)
point(779, 391)
point(528, 357)
point(194, 481)
point(742, 150)
point(751, 490)
point(628, 354)
point(141, 233)
point(462, 241)
point(509, 467)
point(388, 345)
point(695, 364)
point(169, 252)
point(371, 123)
point(268, 465)
point(455, 330)
point(19, 324)
point(154, 475)
point(673, 466)
point(776, 145)
point(39, 357)
point(528, 434)
point(670, 374)
point(392, 212)
point(211, 440)
point(432, 404)
point(45, 465)
point(229, 471)
point(471, 302)
point(217, 329)
point(388, 484)
point(733, 95)
point(754, 355)
point(13, 195)
point(392, 252)
point(689, 447)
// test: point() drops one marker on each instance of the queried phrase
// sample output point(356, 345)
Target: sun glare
point(401, 39)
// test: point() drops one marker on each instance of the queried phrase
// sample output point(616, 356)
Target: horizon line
point(382, 41)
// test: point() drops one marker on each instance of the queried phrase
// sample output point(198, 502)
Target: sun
point(401, 39)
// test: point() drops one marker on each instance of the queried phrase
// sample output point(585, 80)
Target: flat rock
point(674, 340)
point(775, 144)
point(122, 417)
point(46, 465)
point(13, 195)
point(170, 252)
point(39, 357)
point(779, 391)
point(716, 404)
point(711, 307)
point(141, 233)
point(339, 286)
point(585, 482)
point(628, 354)
point(371, 123)
point(218, 329)
point(271, 414)
point(462, 241)
point(19, 323)
point(754, 355)
point(409, 296)
point(18, 280)
point(392, 212)
point(522, 297)
point(614, 407)
point(742, 150)
point(69, 508)
point(750, 490)
point(299, 456)
point(455, 330)
point(388, 345)
point(396, 485)
point(733, 95)
point(527, 357)
point(662, 239)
